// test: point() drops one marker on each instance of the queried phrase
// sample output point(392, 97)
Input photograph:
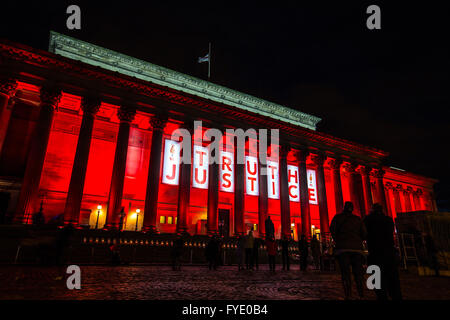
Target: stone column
point(72, 209)
point(322, 194)
point(379, 174)
point(126, 115)
point(365, 177)
point(398, 204)
point(262, 199)
point(213, 194)
point(284, 192)
point(352, 186)
point(407, 196)
point(304, 198)
point(335, 165)
point(184, 188)
point(26, 205)
point(157, 123)
point(239, 190)
point(390, 206)
point(416, 197)
point(7, 91)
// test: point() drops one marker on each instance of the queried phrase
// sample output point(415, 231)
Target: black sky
point(385, 88)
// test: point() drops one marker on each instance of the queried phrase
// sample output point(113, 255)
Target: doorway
point(224, 223)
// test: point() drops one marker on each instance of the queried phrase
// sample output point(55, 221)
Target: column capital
point(319, 159)
point(389, 186)
point(158, 122)
point(378, 173)
point(90, 104)
point(284, 149)
point(350, 167)
point(408, 190)
point(302, 155)
point(419, 192)
point(398, 187)
point(364, 170)
point(8, 86)
point(335, 163)
point(126, 113)
point(50, 95)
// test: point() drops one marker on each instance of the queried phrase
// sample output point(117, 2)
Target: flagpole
point(209, 62)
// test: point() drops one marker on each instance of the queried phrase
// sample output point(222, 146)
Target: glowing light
point(99, 207)
point(138, 210)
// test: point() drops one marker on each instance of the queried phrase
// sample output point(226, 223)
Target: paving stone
point(194, 282)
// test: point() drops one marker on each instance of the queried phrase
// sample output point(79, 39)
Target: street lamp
point(99, 207)
point(137, 218)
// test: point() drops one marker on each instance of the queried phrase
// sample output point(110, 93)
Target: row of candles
point(160, 243)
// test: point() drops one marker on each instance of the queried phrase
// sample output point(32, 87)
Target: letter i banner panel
point(273, 181)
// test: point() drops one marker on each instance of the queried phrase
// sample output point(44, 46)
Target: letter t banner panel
point(273, 182)
point(171, 164)
point(200, 169)
point(251, 176)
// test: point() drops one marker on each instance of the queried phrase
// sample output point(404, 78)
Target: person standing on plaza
point(240, 252)
point(270, 228)
point(382, 252)
point(211, 253)
point(285, 252)
point(315, 251)
point(348, 232)
point(177, 252)
point(255, 253)
point(249, 242)
point(271, 247)
point(303, 251)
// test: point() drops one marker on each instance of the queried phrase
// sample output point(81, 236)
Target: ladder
point(408, 249)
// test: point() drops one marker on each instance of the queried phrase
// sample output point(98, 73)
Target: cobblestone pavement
point(193, 282)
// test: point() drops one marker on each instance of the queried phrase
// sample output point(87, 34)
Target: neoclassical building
point(86, 137)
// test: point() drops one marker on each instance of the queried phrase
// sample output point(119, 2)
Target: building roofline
point(111, 60)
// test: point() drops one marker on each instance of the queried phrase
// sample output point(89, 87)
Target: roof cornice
point(111, 60)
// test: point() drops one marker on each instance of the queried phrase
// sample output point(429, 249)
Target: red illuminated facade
point(74, 137)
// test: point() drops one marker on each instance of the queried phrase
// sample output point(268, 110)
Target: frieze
point(111, 60)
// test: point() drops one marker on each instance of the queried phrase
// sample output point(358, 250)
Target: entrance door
point(224, 223)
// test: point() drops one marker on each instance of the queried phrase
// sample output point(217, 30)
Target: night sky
point(385, 88)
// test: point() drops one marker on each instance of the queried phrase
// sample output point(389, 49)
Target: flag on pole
point(207, 58)
point(203, 59)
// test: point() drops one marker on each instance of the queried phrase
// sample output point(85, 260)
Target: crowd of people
point(348, 231)
point(349, 234)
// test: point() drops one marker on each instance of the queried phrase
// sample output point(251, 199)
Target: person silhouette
point(382, 252)
point(348, 232)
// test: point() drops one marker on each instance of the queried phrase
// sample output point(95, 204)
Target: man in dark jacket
point(285, 252)
point(348, 233)
point(303, 250)
point(380, 243)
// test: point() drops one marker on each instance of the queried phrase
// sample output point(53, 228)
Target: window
point(169, 220)
point(162, 219)
point(255, 227)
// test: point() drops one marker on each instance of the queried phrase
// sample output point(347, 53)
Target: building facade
point(86, 136)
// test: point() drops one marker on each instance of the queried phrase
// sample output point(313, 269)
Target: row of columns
point(412, 198)
point(50, 97)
